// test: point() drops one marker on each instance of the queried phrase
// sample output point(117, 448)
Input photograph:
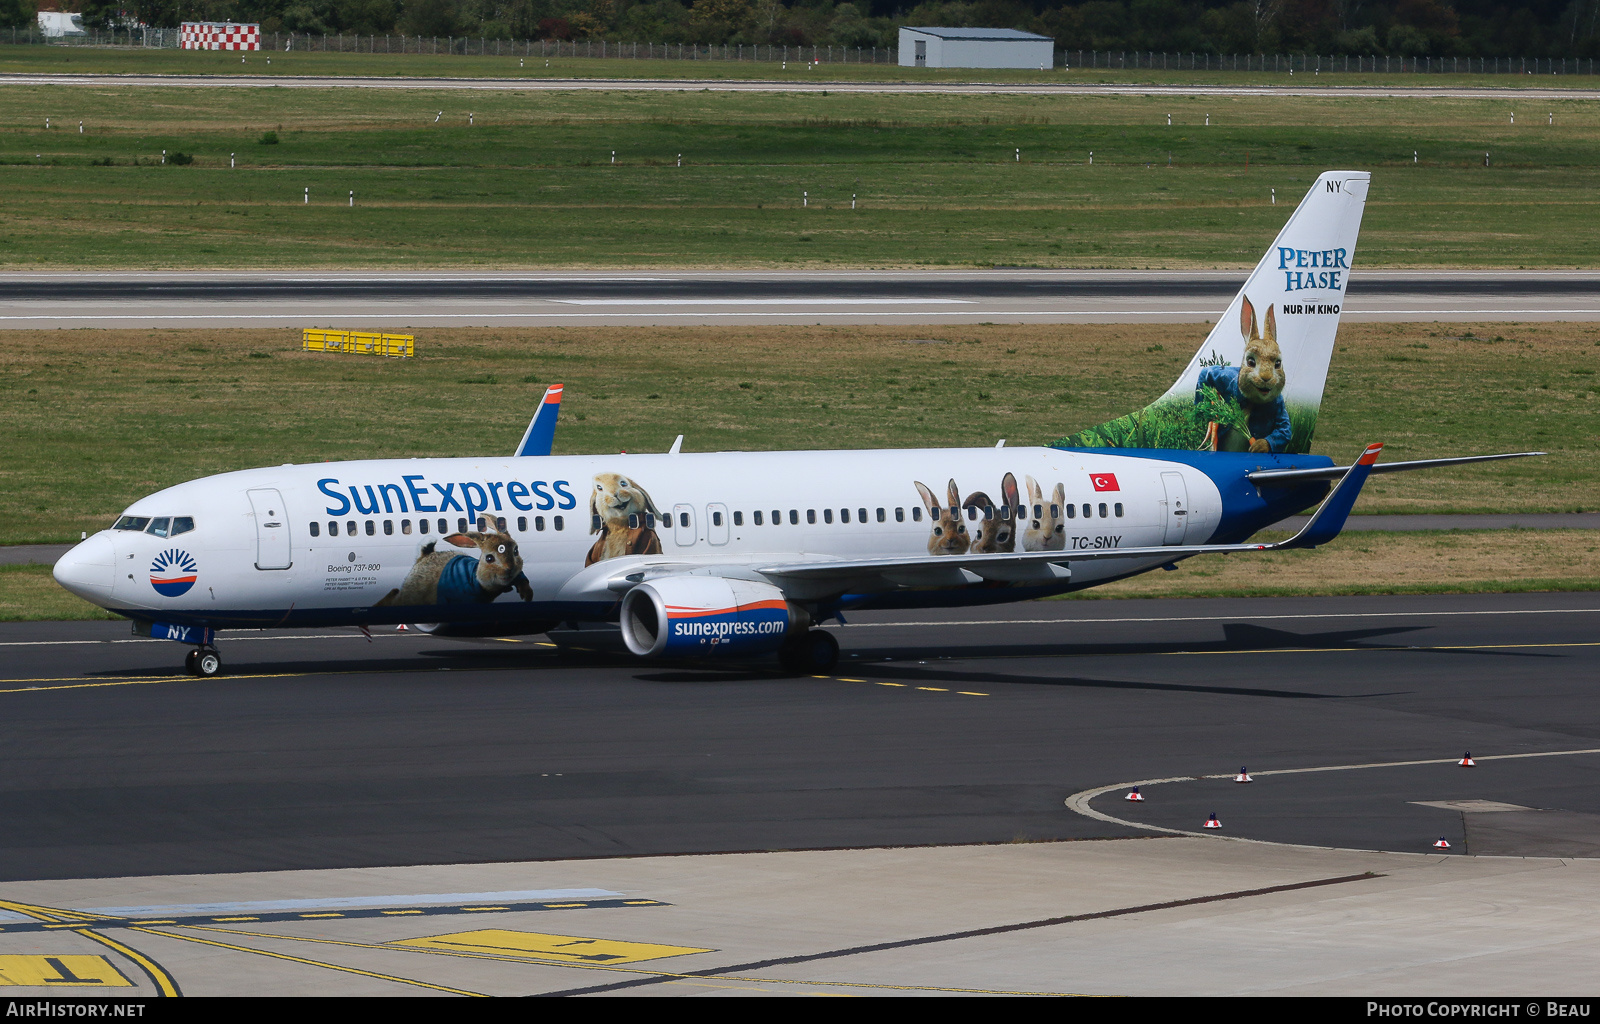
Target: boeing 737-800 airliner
point(737, 554)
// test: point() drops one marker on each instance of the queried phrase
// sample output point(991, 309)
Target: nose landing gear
point(204, 662)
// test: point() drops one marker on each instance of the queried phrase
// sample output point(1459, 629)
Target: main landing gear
point(813, 652)
point(204, 662)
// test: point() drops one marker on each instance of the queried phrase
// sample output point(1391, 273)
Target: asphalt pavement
point(404, 300)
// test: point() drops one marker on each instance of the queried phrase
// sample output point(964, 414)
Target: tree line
point(1411, 28)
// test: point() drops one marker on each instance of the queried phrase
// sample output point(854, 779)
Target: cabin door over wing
point(683, 533)
point(717, 524)
point(272, 529)
point(1175, 508)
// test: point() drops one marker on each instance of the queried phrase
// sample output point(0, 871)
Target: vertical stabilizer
point(1256, 384)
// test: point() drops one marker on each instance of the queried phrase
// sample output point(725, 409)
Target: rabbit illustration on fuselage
point(1257, 384)
point(446, 577)
point(948, 535)
point(1045, 530)
point(617, 510)
point(997, 527)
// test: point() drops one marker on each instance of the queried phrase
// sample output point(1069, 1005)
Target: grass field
point(529, 182)
point(96, 419)
point(137, 60)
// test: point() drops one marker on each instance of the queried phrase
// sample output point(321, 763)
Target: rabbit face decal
point(617, 512)
point(446, 577)
point(949, 534)
point(997, 530)
point(1261, 377)
point(1045, 530)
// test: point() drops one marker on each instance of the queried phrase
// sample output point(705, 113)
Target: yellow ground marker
point(573, 948)
point(63, 971)
point(165, 984)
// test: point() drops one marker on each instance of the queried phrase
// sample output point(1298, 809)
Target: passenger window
point(333, 528)
point(315, 529)
point(716, 518)
point(988, 513)
point(1117, 508)
point(350, 528)
point(861, 515)
point(136, 523)
point(372, 528)
point(633, 520)
point(500, 524)
point(1005, 512)
point(649, 520)
point(899, 515)
point(844, 515)
point(158, 526)
point(794, 517)
point(972, 512)
point(827, 515)
point(1102, 510)
point(881, 515)
point(1038, 511)
point(444, 525)
point(777, 517)
point(683, 519)
point(461, 525)
point(388, 527)
point(405, 527)
point(182, 524)
point(538, 523)
point(916, 513)
point(1072, 511)
point(561, 522)
point(1087, 511)
point(738, 519)
point(756, 517)
point(522, 524)
point(422, 526)
point(811, 516)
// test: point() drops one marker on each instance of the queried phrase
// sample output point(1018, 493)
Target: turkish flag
point(1104, 481)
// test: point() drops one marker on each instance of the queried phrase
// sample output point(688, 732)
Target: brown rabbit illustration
point(617, 510)
point(997, 529)
point(1045, 530)
point(1256, 385)
point(949, 533)
point(446, 577)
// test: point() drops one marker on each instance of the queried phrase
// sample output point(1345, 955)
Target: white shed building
point(975, 48)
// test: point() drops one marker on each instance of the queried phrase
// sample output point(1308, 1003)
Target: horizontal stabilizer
point(541, 432)
point(1271, 477)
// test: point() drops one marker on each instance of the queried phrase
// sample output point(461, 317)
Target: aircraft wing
point(541, 433)
point(1044, 566)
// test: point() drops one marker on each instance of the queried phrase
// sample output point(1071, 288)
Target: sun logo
point(173, 572)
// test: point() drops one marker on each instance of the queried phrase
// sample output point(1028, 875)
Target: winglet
point(541, 433)
point(1329, 519)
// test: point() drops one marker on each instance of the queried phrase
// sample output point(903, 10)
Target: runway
point(814, 81)
point(397, 301)
point(328, 750)
point(942, 814)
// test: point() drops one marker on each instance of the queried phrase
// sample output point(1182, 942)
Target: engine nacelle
point(706, 616)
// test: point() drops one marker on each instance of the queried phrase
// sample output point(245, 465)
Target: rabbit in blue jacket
point(1257, 385)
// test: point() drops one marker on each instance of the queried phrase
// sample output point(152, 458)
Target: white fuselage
point(325, 543)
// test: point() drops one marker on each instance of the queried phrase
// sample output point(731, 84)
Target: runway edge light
point(1467, 761)
point(1135, 795)
point(1243, 776)
point(1212, 821)
point(1442, 844)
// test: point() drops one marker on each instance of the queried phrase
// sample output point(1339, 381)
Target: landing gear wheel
point(188, 662)
point(814, 653)
point(207, 663)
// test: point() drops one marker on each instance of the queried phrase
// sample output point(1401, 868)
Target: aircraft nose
point(88, 569)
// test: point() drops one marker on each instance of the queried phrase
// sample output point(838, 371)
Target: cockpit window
point(181, 524)
point(132, 523)
point(158, 526)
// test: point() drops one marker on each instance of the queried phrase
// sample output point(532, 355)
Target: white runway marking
point(1222, 618)
point(350, 902)
point(763, 302)
point(1079, 802)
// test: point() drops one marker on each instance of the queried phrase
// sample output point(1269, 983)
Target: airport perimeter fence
point(604, 49)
